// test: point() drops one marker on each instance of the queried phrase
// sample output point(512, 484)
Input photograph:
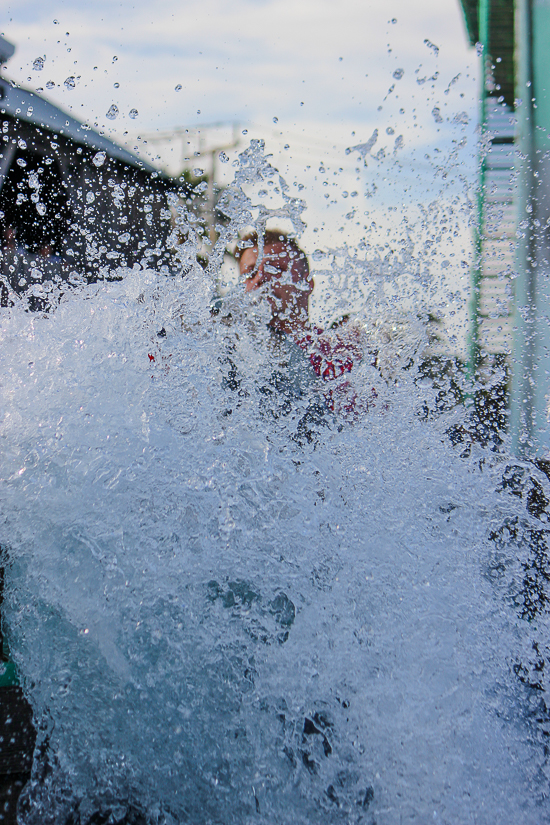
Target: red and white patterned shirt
point(333, 355)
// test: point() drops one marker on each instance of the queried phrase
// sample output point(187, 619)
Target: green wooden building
point(510, 306)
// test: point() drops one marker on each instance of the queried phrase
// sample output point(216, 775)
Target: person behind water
point(276, 264)
point(283, 268)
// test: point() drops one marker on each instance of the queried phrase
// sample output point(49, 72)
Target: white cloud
point(244, 59)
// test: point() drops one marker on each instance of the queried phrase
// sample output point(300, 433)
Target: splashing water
point(228, 605)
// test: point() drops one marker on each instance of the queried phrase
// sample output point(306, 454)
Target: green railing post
point(522, 397)
point(477, 269)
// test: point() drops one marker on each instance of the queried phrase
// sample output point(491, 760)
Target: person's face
point(287, 290)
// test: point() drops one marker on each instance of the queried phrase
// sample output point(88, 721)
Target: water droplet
point(99, 159)
point(38, 64)
point(340, 59)
point(432, 46)
point(286, 146)
point(436, 112)
point(70, 82)
point(393, 21)
point(133, 113)
point(198, 111)
point(115, 58)
point(479, 49)
point(116, 85)
point(21, 162)
point(390, 131)
point(56, 22)
point(223, 157)
point(178, 88)
point(113, 112)
point(461, 117)
point(245, 131)
point(275, 120)
point(198, 172)
point(398, 74)
point(50, 84)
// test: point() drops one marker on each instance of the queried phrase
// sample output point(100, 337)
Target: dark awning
point(501, 43)
point(30, 107)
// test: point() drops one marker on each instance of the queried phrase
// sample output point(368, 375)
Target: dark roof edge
point(471, 20)
point(30, 107)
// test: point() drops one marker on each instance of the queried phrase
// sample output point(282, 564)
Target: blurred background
point(180, 83)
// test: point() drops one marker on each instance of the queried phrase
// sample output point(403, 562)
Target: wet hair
point(270, 237)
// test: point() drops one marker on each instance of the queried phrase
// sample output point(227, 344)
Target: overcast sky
point(316, 65)
point(315, 76)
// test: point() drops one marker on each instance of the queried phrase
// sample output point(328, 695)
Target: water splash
point(228, 605)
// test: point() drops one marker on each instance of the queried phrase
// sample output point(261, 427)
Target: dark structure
point(74, 206)
point(17, 733)
point(499, 45)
